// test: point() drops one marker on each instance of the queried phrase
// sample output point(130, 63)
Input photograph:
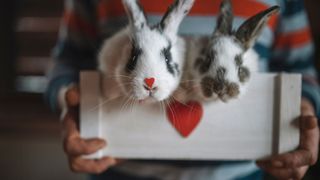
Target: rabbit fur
point(219, 67)
point(205, 68)
point(145, 62)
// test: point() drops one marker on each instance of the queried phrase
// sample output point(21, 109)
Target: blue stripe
point(294, 22)
point(264, 55)
point(312, 93)
point(269, 2)
point(292, 7)
point(279, 64)
point(292, 55)
point(258, 175)
point(51, 94)
point(263, 51)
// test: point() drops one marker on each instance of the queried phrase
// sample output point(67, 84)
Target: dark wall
point(7, 14)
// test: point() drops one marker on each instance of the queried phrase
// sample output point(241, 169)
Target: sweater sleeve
point(293, 50)
point(75, 49)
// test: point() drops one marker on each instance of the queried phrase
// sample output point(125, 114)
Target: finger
point(269, 163)
point(295, 159)
point(302, 172)
point(307, 107)
point(91, 166)
point(308, 123)
point(276, 172)
point(73, 96)
point(307, 153)
point(76, 146)
point(120, 161)
point(309, 137)
point(69, 125)
point(284, 173)
point(294, 174)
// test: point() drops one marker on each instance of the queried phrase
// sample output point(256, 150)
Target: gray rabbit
point(220, 66)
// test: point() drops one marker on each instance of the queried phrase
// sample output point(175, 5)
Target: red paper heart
point(184, 117)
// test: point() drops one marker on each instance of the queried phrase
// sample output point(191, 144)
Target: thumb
point(308, 122)
point(73, 96)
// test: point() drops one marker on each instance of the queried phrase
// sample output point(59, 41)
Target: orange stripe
point(75, 23)
point(243, 8)
point(293, 39)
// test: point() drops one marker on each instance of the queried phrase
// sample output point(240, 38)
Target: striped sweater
point(284, 45)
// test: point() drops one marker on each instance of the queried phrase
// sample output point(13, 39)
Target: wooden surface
point(257, 125)
point(27, 114)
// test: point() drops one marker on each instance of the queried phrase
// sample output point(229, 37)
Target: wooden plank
point(289, 90)
point(26, 113)
point(89, 110)
point(33, 65)
point(35, 43)
point(47, 8)
point(241, 129)
point(38, 24)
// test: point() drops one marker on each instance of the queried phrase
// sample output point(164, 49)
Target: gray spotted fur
point(207, 68)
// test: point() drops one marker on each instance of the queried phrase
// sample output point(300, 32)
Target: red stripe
point(75, 23)
point(293, 39)
point(102, 10)
point(243, 8)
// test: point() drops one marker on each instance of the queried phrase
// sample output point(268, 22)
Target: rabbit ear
point(174, 15)
point(136, 15)
point(249, 31)
point(225, 18)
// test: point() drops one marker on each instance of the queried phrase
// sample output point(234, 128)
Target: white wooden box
point(259, 124)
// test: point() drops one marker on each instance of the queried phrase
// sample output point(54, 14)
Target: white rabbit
point(219, 67)
point(145, 62)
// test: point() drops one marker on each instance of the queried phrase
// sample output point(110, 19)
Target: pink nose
point(149, 81)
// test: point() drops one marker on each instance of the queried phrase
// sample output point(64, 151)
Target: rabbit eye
point(167, 55)
point(238, 60)
point(134, 58)
point(243, 73)
point(168, 59)
point(132, 62)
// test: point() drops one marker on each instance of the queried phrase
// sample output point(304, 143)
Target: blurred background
point(30, 143)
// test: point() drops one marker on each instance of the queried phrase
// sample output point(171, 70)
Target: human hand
point(75, 146)
point(294, 165)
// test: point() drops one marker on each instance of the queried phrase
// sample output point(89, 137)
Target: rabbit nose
point(149, 82)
